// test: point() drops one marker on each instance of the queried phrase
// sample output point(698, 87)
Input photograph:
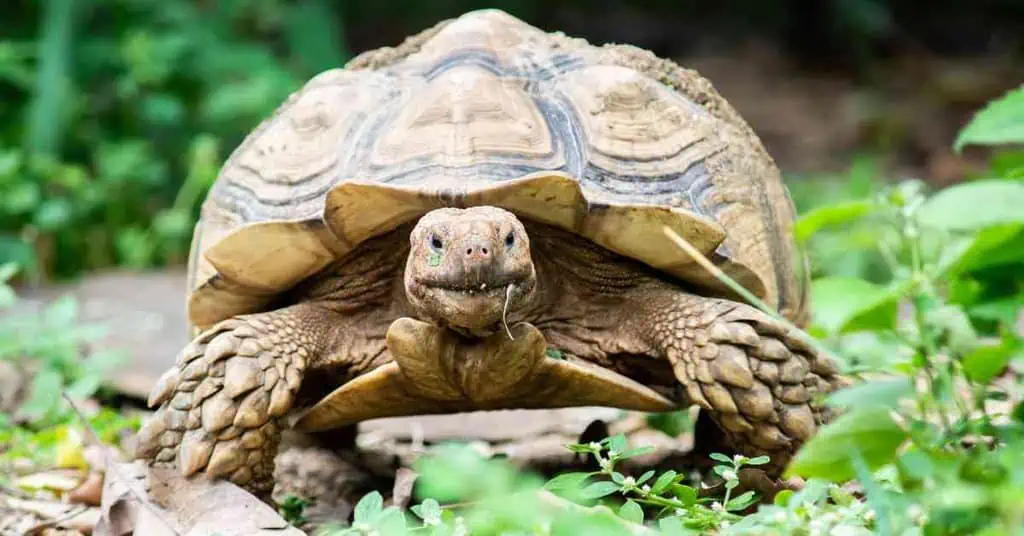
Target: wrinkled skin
point(468, 267)
point(222, 406)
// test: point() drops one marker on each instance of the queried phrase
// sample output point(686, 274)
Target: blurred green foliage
point(118, 114)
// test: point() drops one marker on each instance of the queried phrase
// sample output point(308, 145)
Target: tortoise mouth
point(492, 287)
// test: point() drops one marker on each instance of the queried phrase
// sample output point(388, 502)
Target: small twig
point(112, 467)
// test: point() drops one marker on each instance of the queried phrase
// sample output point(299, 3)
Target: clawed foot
point(221, 402)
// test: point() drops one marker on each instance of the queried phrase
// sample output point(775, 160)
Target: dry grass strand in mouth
point(504, 310)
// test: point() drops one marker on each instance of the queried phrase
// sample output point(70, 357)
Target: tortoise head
point(468, 268)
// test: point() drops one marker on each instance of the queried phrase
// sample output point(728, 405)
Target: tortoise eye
point(436, 243)
point(510, 240)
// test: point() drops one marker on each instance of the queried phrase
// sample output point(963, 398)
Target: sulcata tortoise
point(475, 220)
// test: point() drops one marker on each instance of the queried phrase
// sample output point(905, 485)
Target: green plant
point(117, 115)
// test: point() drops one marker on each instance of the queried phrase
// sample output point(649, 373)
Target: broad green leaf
point(85, 386)
point(740, 502)
point(782, 498)
point(985, 362)
point(632, 512)
point(989, 246)
point(663, 481)
point(759, 460)
point(599, 489)
point(639, 451)
point(617, 443)
point(567, 481)
point(645, 477)
point(1000, 121)
point(719, 457)
point(871, 431)
point(369, 507)
point(847, 304)
point(836, 214)
point(883, 393)
point(44, 395)
point(686, 494)
point(391, 521)
point(974, 205)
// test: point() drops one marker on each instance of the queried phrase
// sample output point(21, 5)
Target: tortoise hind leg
point(754, 378)
point(221, 404)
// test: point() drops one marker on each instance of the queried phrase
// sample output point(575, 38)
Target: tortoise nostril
point(484, 250)
point(469, 251)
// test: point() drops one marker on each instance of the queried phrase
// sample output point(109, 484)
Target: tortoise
point(479, 219)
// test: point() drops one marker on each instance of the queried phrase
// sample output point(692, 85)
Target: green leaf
point(391, 522)
point(617, 443)
point(567, 481)
point(740, 502)
point(835, 214)
point(1000, 121)
point(883, 393)
point(985, 362)
point(989, 246)
point(44, 396)
point(639, 451)
point(760, 460)
point(599, 489)
point(369, 507)
point(782, 498)
point(974, 205)
point(645, 477)
point(872, 431)
point(719, 457)
point(663, 481)
point(429, 511)
point(849, 304)
point(86, 386)
point(631, 511)
point(686, 494)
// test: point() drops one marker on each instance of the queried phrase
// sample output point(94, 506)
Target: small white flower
point(629, 482)
point(717, 506)
point(645, 488)
point(612, 454)
point(594, 445)
point(780, 517)
point(738, 459)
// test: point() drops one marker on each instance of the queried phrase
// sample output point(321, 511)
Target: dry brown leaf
point(159, 502)
point(56, 514)
point(89, 492)
point(58, 480)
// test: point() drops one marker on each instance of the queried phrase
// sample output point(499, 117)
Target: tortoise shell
point(609, 142)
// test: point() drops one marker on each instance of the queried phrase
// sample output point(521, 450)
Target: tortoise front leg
point(222, 402)
point(754, 377)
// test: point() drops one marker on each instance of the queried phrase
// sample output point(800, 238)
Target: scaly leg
point(754, 377)
point(222, 402)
